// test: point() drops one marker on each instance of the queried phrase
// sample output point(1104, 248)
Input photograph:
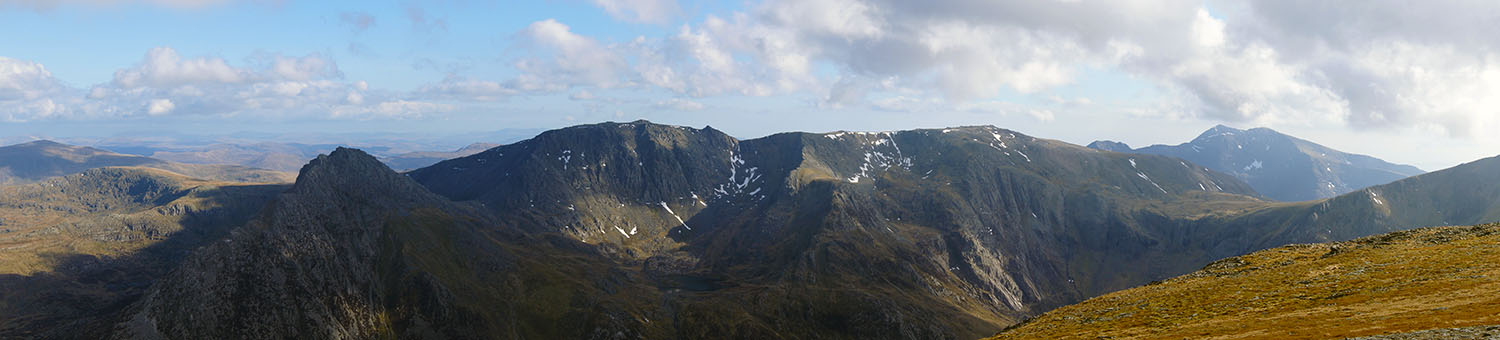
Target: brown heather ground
point(1400, 282)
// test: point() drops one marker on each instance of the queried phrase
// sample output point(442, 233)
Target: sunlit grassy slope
point(1429, 278)
point(112, 212)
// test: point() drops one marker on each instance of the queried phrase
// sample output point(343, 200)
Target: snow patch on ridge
point(674, 214)
point(1254, 165)
point(876, 159)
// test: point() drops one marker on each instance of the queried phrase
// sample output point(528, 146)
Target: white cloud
point(582, 95)
point(679, 104)
point(392, 109)
point(165, 83)
point(644, 11)
point(304, 68)
point(964, 50)
point(163, 67)
point(573, 59)
point(159, 107)
point(29, 92)
point(1386, 65)
point(20, 79)
point(455, 88)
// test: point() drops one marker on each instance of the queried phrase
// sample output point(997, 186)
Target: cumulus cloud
point(159, 107)
point(1264, 62)
point(458, 88)
point(643, 11)
point(28, 91)
point(573, 59)
point(163, 67)
point(679, 104)
point(166, 83)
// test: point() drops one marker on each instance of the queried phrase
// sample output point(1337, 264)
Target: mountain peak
point(43, 143)
point(347, 168)
point(1283, 167)
point(1109, 145)
point(1218, 130)
point(342, 158)
point(1222, 127)
point(1264, 130)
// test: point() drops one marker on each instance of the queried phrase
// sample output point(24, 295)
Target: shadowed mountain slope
point(354, 250)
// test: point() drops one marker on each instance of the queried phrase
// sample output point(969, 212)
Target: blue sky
point(1143, 72)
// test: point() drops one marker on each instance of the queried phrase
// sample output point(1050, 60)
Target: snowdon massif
point(640, 230)
point(1279, 166)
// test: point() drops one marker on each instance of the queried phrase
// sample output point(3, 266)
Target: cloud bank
point(167, 83)
point(1361, 64)
point(1358, 63)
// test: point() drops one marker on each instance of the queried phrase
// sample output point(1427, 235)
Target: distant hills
point(289, 151)
point(1279, 166)
point(265, 155)
point(37, 160)
point(419, 159)
point(291, 156)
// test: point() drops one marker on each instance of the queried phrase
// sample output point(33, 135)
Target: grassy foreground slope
point(1431, 278)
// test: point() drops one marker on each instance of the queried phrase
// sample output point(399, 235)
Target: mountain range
point(1279, 166)
point(642, 230)
point(289, 151)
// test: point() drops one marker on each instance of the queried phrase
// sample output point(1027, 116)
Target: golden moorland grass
point(1405, 281)
point(96, 213)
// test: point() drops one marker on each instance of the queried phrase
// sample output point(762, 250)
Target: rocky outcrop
point(354, 251)
point(301, 270)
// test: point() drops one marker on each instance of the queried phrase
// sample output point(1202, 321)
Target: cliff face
point(301, 268)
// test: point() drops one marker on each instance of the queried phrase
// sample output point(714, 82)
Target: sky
point(1409, 82)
